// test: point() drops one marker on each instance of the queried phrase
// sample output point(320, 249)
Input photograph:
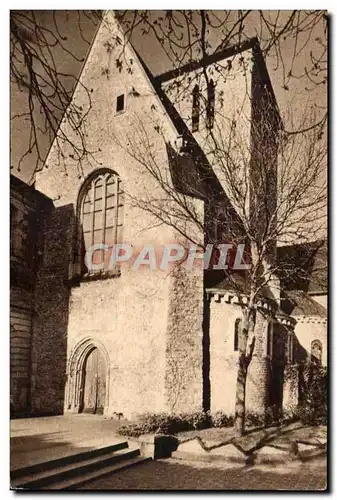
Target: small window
point(210, 104)
point(195, 109)
point(120, 103)
point(237, 329)
point(316, 351)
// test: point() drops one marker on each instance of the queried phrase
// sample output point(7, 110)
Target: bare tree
point(185, 35)
point(42, 84)
point(296, 42)
point(273, 191)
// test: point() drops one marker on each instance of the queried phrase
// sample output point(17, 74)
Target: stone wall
point(127, 315)
point(259, 369)
point(223, 358)
point(51, 302)
point(232, 113)
point(224, 310)
point(26, 204)
point(308, 329)
point(290, 387)
point(184, 346)
point(20, 349)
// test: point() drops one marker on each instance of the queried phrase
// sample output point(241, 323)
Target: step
point(67, 459)
point(79, 481)
point(49, 476)
point(207, 457)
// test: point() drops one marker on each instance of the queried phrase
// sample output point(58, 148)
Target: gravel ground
point(180, 475)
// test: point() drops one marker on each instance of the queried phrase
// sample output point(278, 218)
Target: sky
point(79, 33)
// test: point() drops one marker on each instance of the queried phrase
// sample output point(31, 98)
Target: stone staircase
point(74, 470)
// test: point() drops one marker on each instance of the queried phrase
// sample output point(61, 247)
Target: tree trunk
point(246, 348)
point(240, 400)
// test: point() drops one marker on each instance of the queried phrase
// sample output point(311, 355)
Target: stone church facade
point(120, 341)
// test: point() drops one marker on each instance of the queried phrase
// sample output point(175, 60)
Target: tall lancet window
point(195, 108)
point(100, 217)
point(210, 104)
point(316, 351)
point(237, 330)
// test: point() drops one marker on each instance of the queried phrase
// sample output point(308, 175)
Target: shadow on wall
point(301, 355)
point(277, 366)
point(50, 324)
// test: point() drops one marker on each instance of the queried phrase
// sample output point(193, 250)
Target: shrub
point(254, 419)
point(165, 423)
point(273, 415)
point(133, 430)
point(312, 413)
point(289, 415)
point(313, 407)
point(197, 420)
point(221, 419)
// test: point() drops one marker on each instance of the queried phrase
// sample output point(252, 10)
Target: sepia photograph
point(169, 250)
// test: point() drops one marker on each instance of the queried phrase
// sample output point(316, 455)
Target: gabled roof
point(26, 191)
point(299, 303)
point(208, 60)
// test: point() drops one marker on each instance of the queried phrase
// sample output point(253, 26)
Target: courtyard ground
point(34, 440)
point(255, 438)
point(37, 439)
point(169, 474)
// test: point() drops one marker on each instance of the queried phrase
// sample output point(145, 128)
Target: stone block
point(155, 445)
point(192, 446)
point(270, 454)
point(229, 452)
point(309, 450)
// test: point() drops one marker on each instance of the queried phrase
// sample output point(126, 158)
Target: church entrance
point(94, 383)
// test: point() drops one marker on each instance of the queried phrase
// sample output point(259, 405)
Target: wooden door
point(94, 383)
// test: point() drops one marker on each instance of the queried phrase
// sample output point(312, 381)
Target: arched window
point(100, 210)
point(210, 104)
point(316, 351)
point(195, 108)
point(237, 330)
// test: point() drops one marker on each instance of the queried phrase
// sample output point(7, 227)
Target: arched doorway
point(88, 378)
point(94, 383)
